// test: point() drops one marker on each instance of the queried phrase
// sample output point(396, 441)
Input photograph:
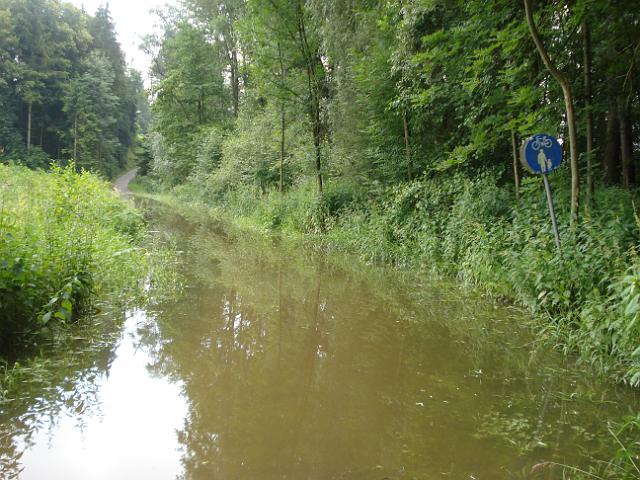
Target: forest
point(393, 130)
point(382, 93)
point(330, 205)
point(65, 89)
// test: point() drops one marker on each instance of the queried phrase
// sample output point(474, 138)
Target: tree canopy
point(65, 89)
point(380, 93)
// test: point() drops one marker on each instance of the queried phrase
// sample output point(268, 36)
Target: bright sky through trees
point(133, 20)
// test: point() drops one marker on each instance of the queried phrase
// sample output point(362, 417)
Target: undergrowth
point(65, 240)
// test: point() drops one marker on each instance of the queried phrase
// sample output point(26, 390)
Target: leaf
point(633, 306)
point(67, 305)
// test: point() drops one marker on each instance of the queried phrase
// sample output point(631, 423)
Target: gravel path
point(121, 184)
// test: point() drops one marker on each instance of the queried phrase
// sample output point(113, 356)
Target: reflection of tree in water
point(64, 380)
point(249, 388)
point(296, 368)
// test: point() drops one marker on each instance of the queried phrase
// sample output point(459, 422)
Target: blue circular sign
point(542, 153)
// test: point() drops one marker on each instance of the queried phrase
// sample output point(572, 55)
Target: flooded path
point(121, 184)
point(278, 363)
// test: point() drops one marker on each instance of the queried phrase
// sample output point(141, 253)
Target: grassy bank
point(585, 299)
point(66, 240)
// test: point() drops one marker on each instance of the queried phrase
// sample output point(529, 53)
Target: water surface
point(280, 363)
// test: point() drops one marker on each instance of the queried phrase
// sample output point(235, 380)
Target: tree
point(105, 41)
point(564, 83)
point(93, 106)
point(45, 53)
point(190, 91)
point(219, 19)
point(285, 26)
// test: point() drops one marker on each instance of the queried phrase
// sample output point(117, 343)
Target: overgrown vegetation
point(65, 90)
point(392, 129)
point(66, 240)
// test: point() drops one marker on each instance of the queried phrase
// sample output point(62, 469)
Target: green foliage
point(65, 238)
point(190, 95)
point(64, 88)
point(388, 91)
point(407, 110)
point(94, 108)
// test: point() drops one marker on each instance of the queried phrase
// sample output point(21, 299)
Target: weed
point(65, 238)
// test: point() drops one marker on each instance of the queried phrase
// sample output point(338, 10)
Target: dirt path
point(121, 185)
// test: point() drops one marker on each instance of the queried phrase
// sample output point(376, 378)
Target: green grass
point(65, 239)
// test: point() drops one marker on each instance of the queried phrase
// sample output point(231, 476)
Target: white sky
point(132, 20)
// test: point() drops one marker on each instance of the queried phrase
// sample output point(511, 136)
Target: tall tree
point(190, 90)
point(287, 25)
point(567, 92)
point(45, 51)
point(219, 18)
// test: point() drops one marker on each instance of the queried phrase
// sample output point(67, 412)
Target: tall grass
point(65, 238)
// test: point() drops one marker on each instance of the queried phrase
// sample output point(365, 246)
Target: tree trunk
point(516, 173)
point(235, 82)
point(317, 143)
point(200, 104)
point(75, 137)
point(407, 147)
point(568, 101)
point(282, 121)
point(312, 60)
point(29, 127)
point(586, 43)
point(611, 158)
point(626, 145)
point(282, 145)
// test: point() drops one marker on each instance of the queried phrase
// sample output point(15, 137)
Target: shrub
point(64, 238)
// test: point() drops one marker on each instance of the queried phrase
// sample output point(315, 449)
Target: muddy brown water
point(276, 362)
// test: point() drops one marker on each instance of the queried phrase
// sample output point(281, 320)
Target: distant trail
point(121, 185)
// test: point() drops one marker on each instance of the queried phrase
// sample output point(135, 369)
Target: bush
point(64, 238)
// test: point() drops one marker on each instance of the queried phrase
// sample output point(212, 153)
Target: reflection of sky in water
point(127, 440)
point(290, 367)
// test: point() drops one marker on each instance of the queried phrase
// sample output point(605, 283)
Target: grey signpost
point(541, 154)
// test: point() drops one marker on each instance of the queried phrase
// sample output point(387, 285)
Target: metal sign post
point(552, 212)
point(541, 153)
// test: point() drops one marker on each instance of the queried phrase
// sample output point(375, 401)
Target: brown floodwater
point(277, 362)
